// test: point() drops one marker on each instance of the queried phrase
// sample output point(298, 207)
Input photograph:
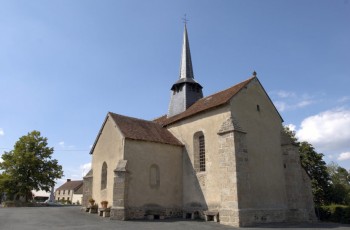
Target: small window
point(67, 198)
point(104, 176)
point(68, 192)
point(58, 198)
point(258, 107)
point(64, 192)
point(59, 192)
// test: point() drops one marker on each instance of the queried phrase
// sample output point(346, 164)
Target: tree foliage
point(316, 168)
point(29, 166)
point(340, 184)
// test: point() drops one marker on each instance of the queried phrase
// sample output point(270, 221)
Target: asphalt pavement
point(52, 218)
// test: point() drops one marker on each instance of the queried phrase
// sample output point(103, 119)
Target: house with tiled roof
point(223, 157)
point(71, 192)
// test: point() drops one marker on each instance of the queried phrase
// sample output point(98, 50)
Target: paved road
point(52, 218)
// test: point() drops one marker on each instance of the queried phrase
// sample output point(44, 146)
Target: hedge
point(334, 213)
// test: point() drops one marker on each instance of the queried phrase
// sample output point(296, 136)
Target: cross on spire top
point(185, 20)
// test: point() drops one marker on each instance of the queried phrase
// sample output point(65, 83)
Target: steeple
point(186, 90)
point(186, 70)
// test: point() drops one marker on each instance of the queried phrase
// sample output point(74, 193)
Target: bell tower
point(186, 90)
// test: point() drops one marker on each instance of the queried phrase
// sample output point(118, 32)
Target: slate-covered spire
point(186, 70)
point(186, 90)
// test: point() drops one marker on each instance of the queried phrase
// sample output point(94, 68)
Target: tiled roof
point(205, 103)
point(71, 185)
point(137, 129)
point(79, 190)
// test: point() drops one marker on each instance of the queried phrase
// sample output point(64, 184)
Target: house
point(223, 157)
point(78, 196)
point(71, 192)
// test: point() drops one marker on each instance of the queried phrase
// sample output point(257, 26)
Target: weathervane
point(185, 20)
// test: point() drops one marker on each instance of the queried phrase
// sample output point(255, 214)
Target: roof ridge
point(158, 117)
point(133, 118)
point(245, 81)
point(208, 102)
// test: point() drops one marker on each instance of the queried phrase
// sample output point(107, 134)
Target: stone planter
point(93, 209)
point(104, 204)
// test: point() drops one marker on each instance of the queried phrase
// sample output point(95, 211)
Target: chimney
point(68, 180)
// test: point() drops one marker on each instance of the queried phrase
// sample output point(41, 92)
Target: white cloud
point(291, 127)
point(344, 156)
point(329, 130)
point(85, 168)
point(304, 103)
point(344, 99)
point(2, 133)
point(281, 106)
point(285, 94)
point(287, 100)
point(63, 145)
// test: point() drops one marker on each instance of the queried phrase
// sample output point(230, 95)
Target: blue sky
point(65, 64)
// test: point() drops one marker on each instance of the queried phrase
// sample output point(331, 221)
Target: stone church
point(221, 158)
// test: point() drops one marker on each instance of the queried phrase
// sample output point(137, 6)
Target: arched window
point(199, 151)
point(154, 177)
point(104, 176)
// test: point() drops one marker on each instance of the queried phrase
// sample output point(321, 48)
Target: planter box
point(93, 210)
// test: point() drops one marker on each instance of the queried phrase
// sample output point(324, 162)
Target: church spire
point(186, 91)
point(186, 70)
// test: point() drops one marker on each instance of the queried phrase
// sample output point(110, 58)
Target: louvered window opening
point(201, 153)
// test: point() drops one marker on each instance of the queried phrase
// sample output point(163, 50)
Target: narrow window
point(201, 153)
point(68, 192)
point(154, 177)
point(64, 192)
point(59, 192)
point(258, 107)
point(104, 176)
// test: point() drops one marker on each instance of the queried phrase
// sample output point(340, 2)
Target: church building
point(223, 158)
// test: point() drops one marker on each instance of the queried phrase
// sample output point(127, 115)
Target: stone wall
point(139, 213)
point(120, 188)
point(233, 158)
point(298, 185)
point(87, 188)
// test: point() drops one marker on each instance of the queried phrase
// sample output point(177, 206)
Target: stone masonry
point(87, 188)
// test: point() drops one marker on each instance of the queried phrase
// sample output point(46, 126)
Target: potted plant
point(104, 204)
point(91, 201)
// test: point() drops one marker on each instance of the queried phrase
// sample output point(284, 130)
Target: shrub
point(335, 213)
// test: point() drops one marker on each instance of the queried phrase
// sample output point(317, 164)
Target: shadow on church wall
point(193, 186)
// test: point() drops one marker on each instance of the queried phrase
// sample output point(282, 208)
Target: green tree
point(340, 184)
point(315, 167)
point(29, 166)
